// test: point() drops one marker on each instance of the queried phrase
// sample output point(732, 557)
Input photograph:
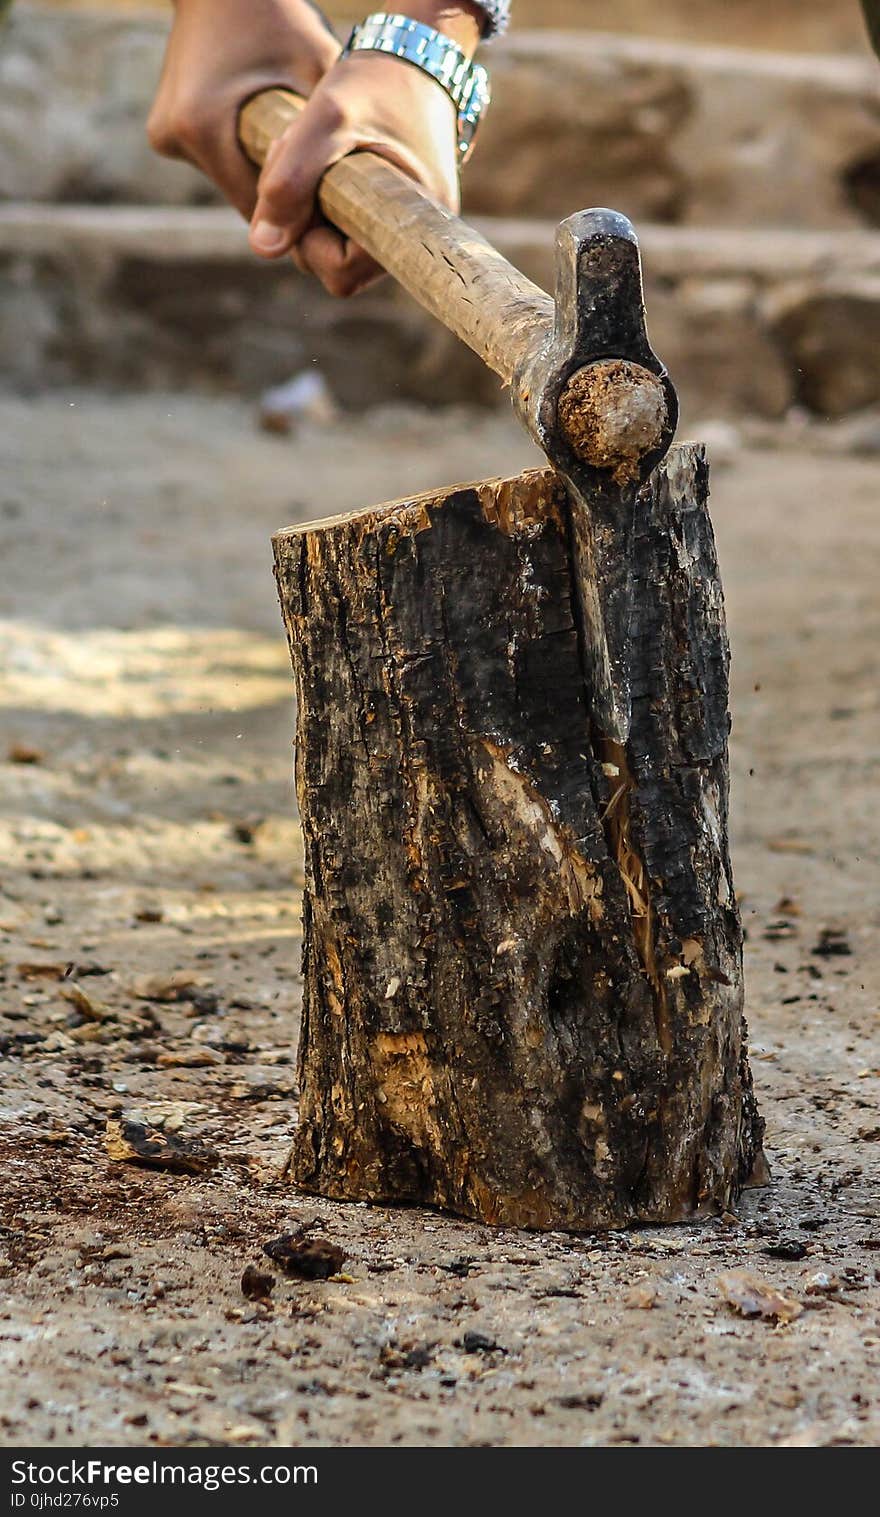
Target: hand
point(364, 101)
point(221, 52)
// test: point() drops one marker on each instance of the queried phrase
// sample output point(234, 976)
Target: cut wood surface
point(522, 962)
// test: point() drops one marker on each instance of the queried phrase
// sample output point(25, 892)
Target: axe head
point(600, 403)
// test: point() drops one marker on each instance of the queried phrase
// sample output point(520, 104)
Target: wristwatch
point(465, 82)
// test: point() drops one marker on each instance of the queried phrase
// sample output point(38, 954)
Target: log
point(523, 995)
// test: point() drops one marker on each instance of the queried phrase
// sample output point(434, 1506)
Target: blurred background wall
point(820, 25)
point(743, 138)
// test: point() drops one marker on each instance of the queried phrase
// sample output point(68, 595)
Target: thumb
point(288, 185)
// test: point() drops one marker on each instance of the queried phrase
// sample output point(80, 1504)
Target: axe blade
point(600, 403)
point(601, 556)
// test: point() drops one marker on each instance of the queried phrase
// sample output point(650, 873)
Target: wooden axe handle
point(447, 266)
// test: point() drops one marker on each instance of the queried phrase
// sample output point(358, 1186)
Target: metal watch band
point(497, 13)
point(465, 82)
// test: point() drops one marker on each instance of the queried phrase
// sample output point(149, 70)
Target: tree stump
point(522, 950)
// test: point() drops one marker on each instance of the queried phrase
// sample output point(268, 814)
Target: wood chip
point(30, 971)
point(189, 1058)
point(751, 1296)
point(167, 988)
point(23, 753)
point(90, 1007)
point(256, 1285)
point(641, 1298)
point(305, 1258)
point(132, 1143)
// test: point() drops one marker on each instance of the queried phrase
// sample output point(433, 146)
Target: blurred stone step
point(749, 322)
point(793, 25)
point(666, 132)
point(810, 26)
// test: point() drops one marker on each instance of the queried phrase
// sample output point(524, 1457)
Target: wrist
point(459, 20)
point(413, 45)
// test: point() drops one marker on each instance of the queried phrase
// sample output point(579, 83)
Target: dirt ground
point(148, 839)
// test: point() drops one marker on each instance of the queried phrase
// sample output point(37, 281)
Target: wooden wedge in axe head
point(582, 374)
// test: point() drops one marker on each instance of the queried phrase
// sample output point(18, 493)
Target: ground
point(148, 834)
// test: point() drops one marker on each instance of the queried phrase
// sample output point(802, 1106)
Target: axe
point(583, 377)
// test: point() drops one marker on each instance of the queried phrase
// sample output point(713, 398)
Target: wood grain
point(522, 963)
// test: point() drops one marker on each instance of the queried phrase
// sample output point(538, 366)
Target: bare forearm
point(463, 22)
point(872, 16)
point(262, 30)
point(302, 24)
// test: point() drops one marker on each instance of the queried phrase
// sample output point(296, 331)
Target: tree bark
point(522, 953)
